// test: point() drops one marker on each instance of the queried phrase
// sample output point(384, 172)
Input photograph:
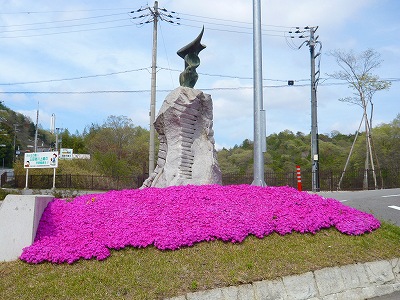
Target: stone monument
point(184, 125)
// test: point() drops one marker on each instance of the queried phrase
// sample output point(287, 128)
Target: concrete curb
point(19, 220)
point(355, 282)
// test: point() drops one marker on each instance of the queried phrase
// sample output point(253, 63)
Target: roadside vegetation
point(119, 148)
point(153, 274)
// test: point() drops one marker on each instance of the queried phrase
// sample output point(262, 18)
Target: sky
point(86, 60)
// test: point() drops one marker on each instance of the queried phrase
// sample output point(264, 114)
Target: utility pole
point(259, 112)
point(15, 141)
point(152, 17)
point(314, 82)
point(37, 128)
point(314, 123)
point(153, 89)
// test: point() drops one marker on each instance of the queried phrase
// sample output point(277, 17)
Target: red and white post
point(299, 185)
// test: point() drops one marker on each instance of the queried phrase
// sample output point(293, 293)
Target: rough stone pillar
point(187, 152)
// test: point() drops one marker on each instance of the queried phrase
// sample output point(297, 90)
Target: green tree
point(73, 141)
point(225, 163)
point(118, 146)
point(387, 143)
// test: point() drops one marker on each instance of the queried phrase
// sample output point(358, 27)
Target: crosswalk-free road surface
point(383, 204)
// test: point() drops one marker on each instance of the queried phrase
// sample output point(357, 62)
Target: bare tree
point(356, 71)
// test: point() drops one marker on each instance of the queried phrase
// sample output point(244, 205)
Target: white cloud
point(342, 24)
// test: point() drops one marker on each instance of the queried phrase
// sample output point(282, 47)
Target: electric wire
point(137, 70)
point(63, 32)
point(64, 26)
point(166, 54)
point(173, 18)
point(61, 21)
point(63, 11)
point(236, 77)
point(167, 90)
point(233, 21)
point(229, 25)
point(232, 31)
point(74, 78)
point(165, 15)
point(160, 69)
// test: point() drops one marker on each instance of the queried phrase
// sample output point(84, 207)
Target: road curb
point(356, 282)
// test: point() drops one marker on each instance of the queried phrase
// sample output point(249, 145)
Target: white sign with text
point(41, 160)
point(66, 153)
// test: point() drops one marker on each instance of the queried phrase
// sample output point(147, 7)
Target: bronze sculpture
point(190, 53)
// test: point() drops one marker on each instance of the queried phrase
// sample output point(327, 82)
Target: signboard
point(41, 160)
point(66, 153)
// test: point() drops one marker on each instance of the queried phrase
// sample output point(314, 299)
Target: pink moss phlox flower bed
point(170, 218)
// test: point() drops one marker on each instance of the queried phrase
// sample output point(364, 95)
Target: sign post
point(41, 160)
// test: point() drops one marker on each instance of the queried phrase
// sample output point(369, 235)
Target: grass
point(153, 274)
point(3, 194)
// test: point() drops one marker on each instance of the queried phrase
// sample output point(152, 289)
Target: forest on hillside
point(119, 148)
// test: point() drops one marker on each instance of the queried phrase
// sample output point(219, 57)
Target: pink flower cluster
point(170, 218)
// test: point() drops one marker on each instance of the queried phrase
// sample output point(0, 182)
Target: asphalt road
point(383, 204)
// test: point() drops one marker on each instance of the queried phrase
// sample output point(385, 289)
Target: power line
point(64, 26)
point(128, 18)
point(230, 25)
point(62, 21)
point(168, 90)
point(63, 11)
point(232, 31)
point(179, 21)
point(227, 23)
point(62, 32)
point(233, 21)
point(166, 55)
point(137, 70)
point(125, 9)
point(74, 78)
point(78, 92)
point(145, 18)
point(235, 76)
point(173, 70)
